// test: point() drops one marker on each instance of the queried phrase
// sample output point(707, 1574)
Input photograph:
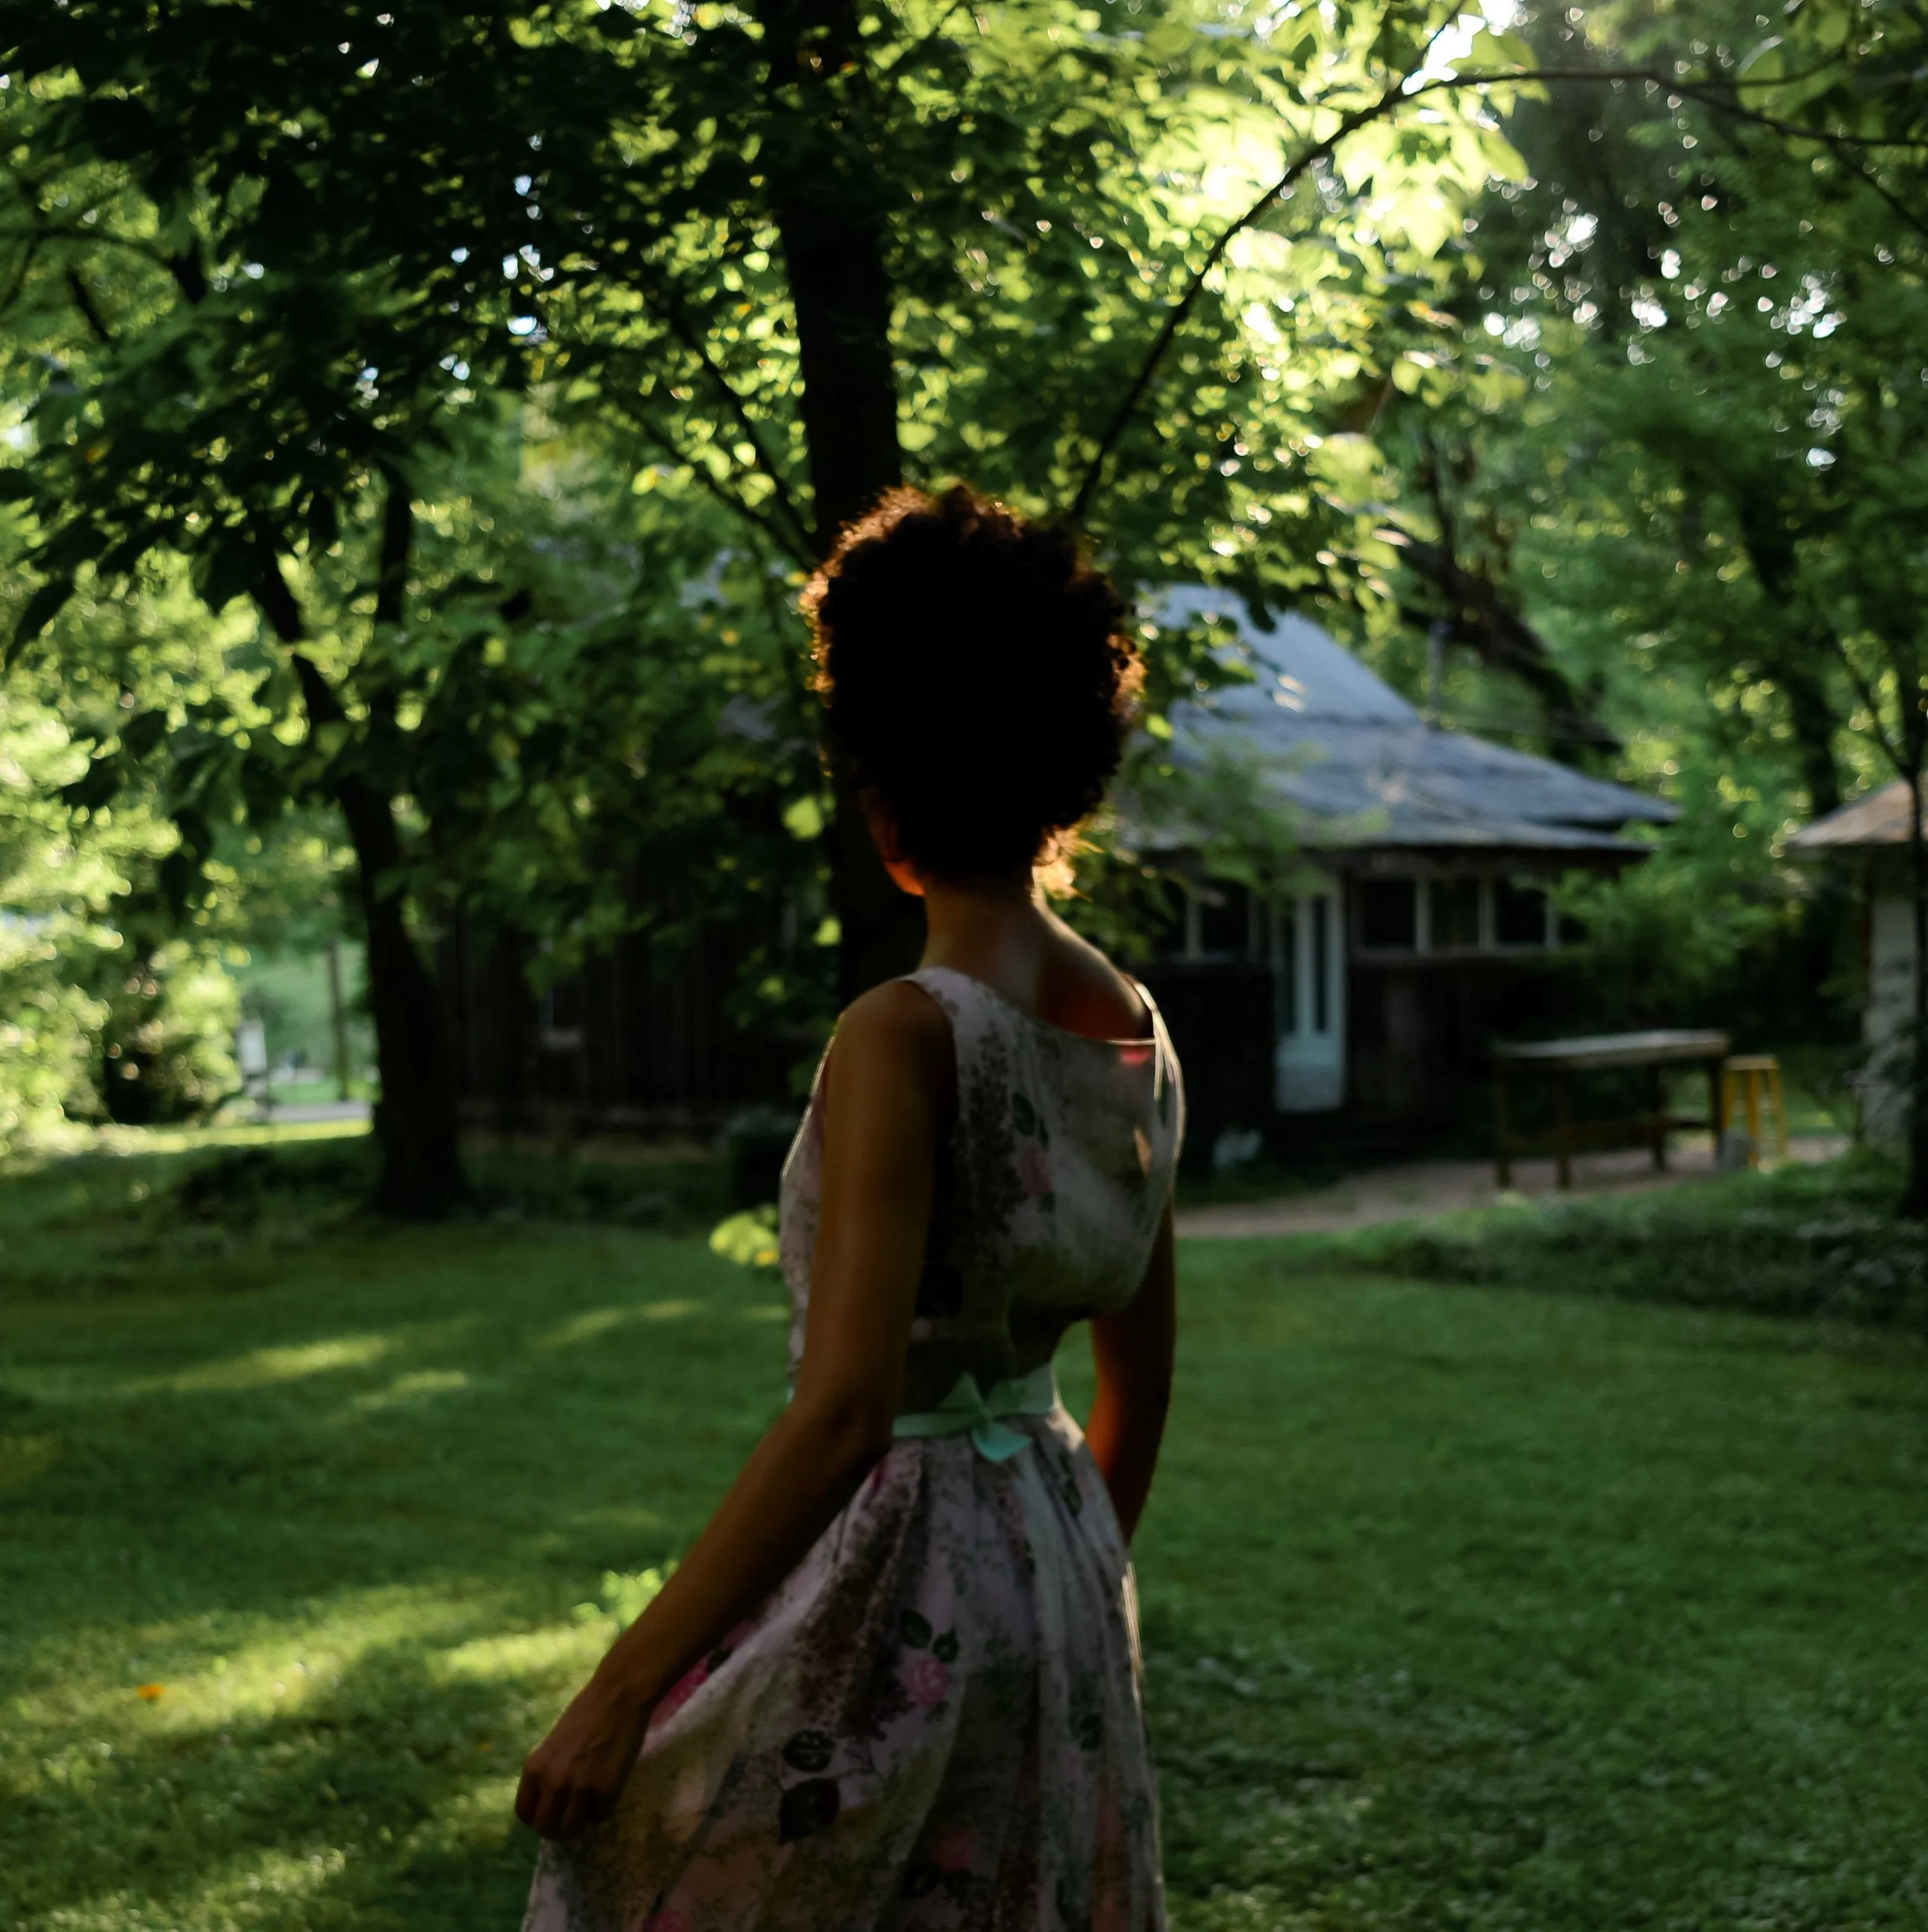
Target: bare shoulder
point(1085, 992)
point(897, 1023)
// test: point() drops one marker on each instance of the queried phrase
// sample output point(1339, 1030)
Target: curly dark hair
point(976, 675)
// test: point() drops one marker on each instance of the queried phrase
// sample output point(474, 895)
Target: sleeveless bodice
point(1048, 1196)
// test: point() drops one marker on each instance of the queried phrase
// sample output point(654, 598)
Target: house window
point(1453, 906)
point(1520, 914)
point(1224, 922)
point(1455, 916)
point(1389, 915)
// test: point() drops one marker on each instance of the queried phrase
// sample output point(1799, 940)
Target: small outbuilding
point(1420, 924)
point(1872, 833)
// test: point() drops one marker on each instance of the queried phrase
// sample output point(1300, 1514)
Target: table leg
point(1657, 1114)
point(1716, 1107)
point(1563, 1126)
point(1502, 1165)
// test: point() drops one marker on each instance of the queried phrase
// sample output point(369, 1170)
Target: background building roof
point(1879, 819)
point(1359, 766)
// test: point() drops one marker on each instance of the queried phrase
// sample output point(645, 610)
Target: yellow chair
point(1751, 1089)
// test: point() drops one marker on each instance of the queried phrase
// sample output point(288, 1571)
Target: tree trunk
point(829, 204)
point(415, 1121)
point(1790, 663)
point(1915, 1192)
point(337, 1020)
point(1827, 915)
point(1814, 724)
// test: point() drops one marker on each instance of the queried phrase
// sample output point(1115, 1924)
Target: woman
point(895, 1683)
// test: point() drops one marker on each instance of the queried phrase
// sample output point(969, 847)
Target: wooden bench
point(1561, 1059)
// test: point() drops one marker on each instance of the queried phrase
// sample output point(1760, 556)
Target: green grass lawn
point(1478, 1607)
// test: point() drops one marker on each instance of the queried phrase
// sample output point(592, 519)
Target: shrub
point(1818, 1240)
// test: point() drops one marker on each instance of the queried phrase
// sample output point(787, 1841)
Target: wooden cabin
point(1416, 932)
point(1365, 999)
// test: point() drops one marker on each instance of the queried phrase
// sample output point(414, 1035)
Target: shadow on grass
point(380, 1470)
point(1505, 1610)
point(388, 1787)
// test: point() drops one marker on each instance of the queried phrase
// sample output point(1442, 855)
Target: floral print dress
point(935, 1722)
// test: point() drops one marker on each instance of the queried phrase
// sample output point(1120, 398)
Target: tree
point(114, 1008)
point(1139, 268)
point(1685, 382)
point(779, 249)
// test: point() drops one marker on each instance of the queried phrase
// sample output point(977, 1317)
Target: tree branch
point(673, 320)
point(800, 554)
point(90, 310)
point(276, 602)
point(392, 562)
point(29, 250)
point(1395, 96)
point(1503, 638)
point(1865, 692)
point(1175, 317)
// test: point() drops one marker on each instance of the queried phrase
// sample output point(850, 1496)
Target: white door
point(1309, 998)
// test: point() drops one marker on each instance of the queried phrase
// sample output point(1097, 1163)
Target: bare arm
point(1133, 1350)
point(889, 1081)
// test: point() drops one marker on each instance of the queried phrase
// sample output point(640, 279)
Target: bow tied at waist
point(979, 1413)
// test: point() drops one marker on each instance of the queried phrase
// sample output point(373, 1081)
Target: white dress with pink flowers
point(936, 1722)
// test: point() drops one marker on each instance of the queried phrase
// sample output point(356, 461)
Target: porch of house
point(1361, 1010)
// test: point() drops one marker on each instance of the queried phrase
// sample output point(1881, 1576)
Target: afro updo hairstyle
point(977, 678)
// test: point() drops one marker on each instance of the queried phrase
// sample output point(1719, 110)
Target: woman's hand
point(574, 1776)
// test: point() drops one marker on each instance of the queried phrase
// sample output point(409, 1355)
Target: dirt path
point(1423, 1187)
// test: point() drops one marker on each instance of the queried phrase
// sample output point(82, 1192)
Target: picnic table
point(1561, 1059)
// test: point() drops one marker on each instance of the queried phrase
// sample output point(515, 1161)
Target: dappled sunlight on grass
point(276, 1780)
point(1497, 1609)
point(420, 1386)
point(353, 1530)
point(594, 1323)
point(210, 1680)
point(586, 1327)
point(256, 1887)
point(120, 1143)
point(260, 1366)
point(567, 1650)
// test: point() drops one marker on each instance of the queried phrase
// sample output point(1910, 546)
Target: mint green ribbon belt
point(969, 1410)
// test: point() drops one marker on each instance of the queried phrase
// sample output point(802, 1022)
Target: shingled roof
point(1359, 766)
point(1879, 819)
